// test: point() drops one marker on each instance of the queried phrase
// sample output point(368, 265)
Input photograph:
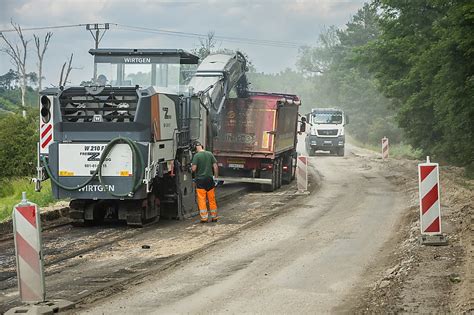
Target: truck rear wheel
point(273, 186)
point(279, 176)
point(268, 187)
point(288, 176)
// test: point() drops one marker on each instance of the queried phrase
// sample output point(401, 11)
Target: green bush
point(7, 105)
point(18, 138)
point(382, 127)
point(405, 151)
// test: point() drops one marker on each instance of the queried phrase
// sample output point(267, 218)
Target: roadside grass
point(399, 150)
point(405, 151)
point(10, 195)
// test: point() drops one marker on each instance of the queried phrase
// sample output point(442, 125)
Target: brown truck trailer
point(256, 142)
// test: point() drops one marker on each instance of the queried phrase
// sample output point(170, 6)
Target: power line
point(43, 28)
point(242, 40)
point(253, 41)
point(188, 34)
point(201, 36)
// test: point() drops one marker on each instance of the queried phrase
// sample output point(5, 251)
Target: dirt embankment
point(415, 278)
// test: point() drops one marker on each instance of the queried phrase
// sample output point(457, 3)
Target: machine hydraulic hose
point(137, 175)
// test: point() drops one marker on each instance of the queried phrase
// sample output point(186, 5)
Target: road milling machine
point(121, 147)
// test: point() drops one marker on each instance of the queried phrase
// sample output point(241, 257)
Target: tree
point(9, 79)
point(423, 59)
point(361, 29)
point(18, 55)
point(286, 81)
point(63, 76)
point(40, 52)
point(32, 78)
point(317, 60)
point(341, 80)
point(206, 45)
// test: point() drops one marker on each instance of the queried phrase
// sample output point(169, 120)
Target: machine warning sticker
point(83, 159)
point(66, 173)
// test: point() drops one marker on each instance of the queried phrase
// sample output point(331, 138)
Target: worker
point(204, 166)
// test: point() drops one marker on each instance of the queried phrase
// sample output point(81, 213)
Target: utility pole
point(97, 37)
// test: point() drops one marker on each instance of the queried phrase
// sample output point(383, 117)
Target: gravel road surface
point(309, 259)
point(350, 246)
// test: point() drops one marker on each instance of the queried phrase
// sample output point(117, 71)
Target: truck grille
point(327, 132)
point(113, 104)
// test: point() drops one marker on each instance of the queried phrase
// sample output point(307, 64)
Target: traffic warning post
point(385, 148)
point(430, 209)
point(30, 263)
point(29, 256)
point(302, 174)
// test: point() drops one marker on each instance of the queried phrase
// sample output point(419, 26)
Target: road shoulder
point(410, 278)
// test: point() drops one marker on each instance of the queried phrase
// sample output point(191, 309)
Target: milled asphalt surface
point(307, 260)
point(73, 269)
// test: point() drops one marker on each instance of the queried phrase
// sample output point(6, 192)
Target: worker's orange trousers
point(202, 194)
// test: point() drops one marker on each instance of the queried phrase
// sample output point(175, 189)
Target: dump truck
point(257, 137)
point(120, 147)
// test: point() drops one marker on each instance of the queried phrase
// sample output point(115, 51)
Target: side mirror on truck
point(347, 120)
point(303, 124)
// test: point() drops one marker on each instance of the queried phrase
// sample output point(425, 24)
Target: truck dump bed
point(262, 125)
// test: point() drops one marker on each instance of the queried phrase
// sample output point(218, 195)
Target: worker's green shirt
point(204, 161)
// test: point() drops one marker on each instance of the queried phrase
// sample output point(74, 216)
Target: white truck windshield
point(326, 118)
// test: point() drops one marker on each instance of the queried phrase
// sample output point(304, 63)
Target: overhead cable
point(253, 41)
point(43, 28)
point(242, 40)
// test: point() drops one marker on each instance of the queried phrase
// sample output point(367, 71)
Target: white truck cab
point(326, 131)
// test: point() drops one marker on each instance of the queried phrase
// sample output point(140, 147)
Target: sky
point(290, 21)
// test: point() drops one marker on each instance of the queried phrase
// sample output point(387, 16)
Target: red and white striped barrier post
point(385, 148)
point(430, 209)
point(302, 173)
point(29, 262)
point(29, 255)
